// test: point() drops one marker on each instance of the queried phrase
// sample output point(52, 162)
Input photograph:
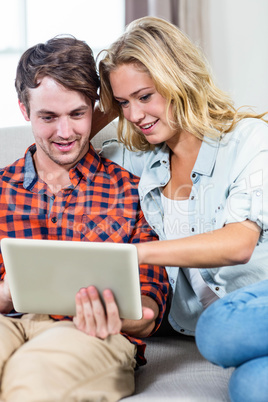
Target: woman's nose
point(136, 114)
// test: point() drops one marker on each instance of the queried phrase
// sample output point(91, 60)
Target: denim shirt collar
point(157, 170)
point(206, 159)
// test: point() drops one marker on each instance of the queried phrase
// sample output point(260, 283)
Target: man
point(63, 190)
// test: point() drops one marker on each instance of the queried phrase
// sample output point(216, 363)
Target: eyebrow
point(45, 111)
point(134, 93)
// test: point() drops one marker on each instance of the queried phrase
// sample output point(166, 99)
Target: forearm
point(231, 245)
point(144, 327)
point(100, 120)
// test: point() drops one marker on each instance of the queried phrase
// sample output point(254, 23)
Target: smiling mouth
point(64, 146)
point(148, 126)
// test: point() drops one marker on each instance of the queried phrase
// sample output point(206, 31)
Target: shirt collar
point(206, 159)
point(85, 168)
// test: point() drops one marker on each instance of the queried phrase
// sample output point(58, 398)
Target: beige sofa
point(175, 369)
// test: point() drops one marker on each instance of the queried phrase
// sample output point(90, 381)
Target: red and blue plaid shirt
point(101, 204)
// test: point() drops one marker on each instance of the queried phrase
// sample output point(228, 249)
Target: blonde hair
point(180, 74)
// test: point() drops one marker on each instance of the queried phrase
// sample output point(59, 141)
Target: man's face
point(61, 122)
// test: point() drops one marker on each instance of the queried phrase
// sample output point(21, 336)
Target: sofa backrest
point(15, 140)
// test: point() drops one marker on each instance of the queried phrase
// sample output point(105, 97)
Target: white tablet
point(45, 275)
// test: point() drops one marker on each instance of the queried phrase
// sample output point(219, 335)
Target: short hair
point(180, 74)
point(67, 60)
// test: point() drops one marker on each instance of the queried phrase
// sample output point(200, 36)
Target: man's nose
point(64, 129)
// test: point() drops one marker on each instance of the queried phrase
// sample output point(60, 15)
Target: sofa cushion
point(176, 371)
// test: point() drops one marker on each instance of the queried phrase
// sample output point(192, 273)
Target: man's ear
point(24, 111)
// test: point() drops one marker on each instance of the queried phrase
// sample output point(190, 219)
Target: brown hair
point(66, 59)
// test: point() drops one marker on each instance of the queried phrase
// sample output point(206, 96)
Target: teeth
point(148, 125)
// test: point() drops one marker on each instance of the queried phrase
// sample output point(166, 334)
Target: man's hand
point(92, 317)
point(101, 320)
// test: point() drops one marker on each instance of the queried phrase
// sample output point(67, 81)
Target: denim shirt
point(230, 184)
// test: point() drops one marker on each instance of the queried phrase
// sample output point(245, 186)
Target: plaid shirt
point(101, 204)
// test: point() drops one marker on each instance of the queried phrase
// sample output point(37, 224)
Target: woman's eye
point(145, 98)
point(122, 103)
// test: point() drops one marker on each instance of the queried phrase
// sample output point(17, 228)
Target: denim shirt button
point(192, 198)
point(217, 288)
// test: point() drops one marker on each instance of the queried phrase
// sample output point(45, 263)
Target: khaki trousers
point(46, 361)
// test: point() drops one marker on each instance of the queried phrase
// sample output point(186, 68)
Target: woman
point(203, 166)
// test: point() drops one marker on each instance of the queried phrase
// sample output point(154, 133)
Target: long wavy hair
point(180, 74)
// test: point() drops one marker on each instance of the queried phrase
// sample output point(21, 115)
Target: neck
point(184, 145)
point(56, 177)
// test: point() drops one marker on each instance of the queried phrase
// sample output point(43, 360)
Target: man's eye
point(78, 114)
point(47, 119)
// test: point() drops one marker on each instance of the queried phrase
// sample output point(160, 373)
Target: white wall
point(238, 49)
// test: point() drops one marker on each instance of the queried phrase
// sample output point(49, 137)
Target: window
point(23, 23)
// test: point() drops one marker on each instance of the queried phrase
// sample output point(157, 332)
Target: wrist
point(141, 252)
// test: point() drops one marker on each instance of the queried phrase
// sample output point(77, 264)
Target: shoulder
point(251, 129)
point(14, 171)
point(118, 176)
point(250, 136)
point(133, 161)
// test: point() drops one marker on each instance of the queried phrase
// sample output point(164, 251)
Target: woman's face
point(141, 104)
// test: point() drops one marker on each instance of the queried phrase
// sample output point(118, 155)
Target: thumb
point(147, 313)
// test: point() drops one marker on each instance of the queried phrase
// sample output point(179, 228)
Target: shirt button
point(54, 219)
point(172, 281)
point(192, 229)
point(217, 288)
point(182, 330)
point(192, 198)
point(194, 175)
point(258, 193)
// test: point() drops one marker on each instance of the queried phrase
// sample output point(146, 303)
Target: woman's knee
point(230, 331)
point(249, 383)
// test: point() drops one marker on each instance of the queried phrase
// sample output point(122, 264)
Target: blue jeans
point(233, 332)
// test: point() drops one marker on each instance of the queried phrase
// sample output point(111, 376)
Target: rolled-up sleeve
point(248, 192)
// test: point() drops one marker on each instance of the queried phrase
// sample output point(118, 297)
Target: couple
point(200, 163)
